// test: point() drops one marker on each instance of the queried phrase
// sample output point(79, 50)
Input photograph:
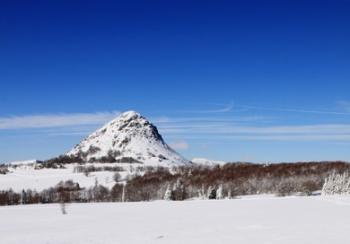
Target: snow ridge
point(207, 162)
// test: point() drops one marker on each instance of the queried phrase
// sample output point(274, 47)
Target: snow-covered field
point(26, 177)
point(260, 220)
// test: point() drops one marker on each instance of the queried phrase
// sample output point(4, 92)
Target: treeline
point(182, 183)
point(59, 162)
point(62, 160)
point(92, 168)
point(64, 192)
point(233, 179)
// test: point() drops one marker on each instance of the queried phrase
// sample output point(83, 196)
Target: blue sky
point(228, 80)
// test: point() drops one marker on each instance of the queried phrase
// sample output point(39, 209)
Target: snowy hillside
point(130, 138)
point(25, 177)
point(295, 220)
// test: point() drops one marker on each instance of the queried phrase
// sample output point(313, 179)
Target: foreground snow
point(251, 220)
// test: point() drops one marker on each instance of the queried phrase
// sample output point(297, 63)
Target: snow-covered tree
point(337, 184)
point(168, 192)
point(229, 194)
point(179, 192)
point(220, 192)
point(202, 193)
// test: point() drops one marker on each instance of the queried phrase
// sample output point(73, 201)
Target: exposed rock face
point(130, 138)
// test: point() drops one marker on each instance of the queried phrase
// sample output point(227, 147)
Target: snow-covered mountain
point(130, 138)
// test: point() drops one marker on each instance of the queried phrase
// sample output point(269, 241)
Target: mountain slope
point(130, 138)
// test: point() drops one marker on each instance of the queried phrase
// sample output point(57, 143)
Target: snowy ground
point(251, 220)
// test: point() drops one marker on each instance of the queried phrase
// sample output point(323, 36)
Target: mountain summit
point(130, 138)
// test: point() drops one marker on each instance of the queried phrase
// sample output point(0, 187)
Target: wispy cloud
point(345, 105)
point(238, 127)
point(55, 120)
point(180, 145)
point(238, 131)
point(231, 107)
point(226, 108)
point(295, 110)
point(313, 138)
point(181, 120)
point(206, 127)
